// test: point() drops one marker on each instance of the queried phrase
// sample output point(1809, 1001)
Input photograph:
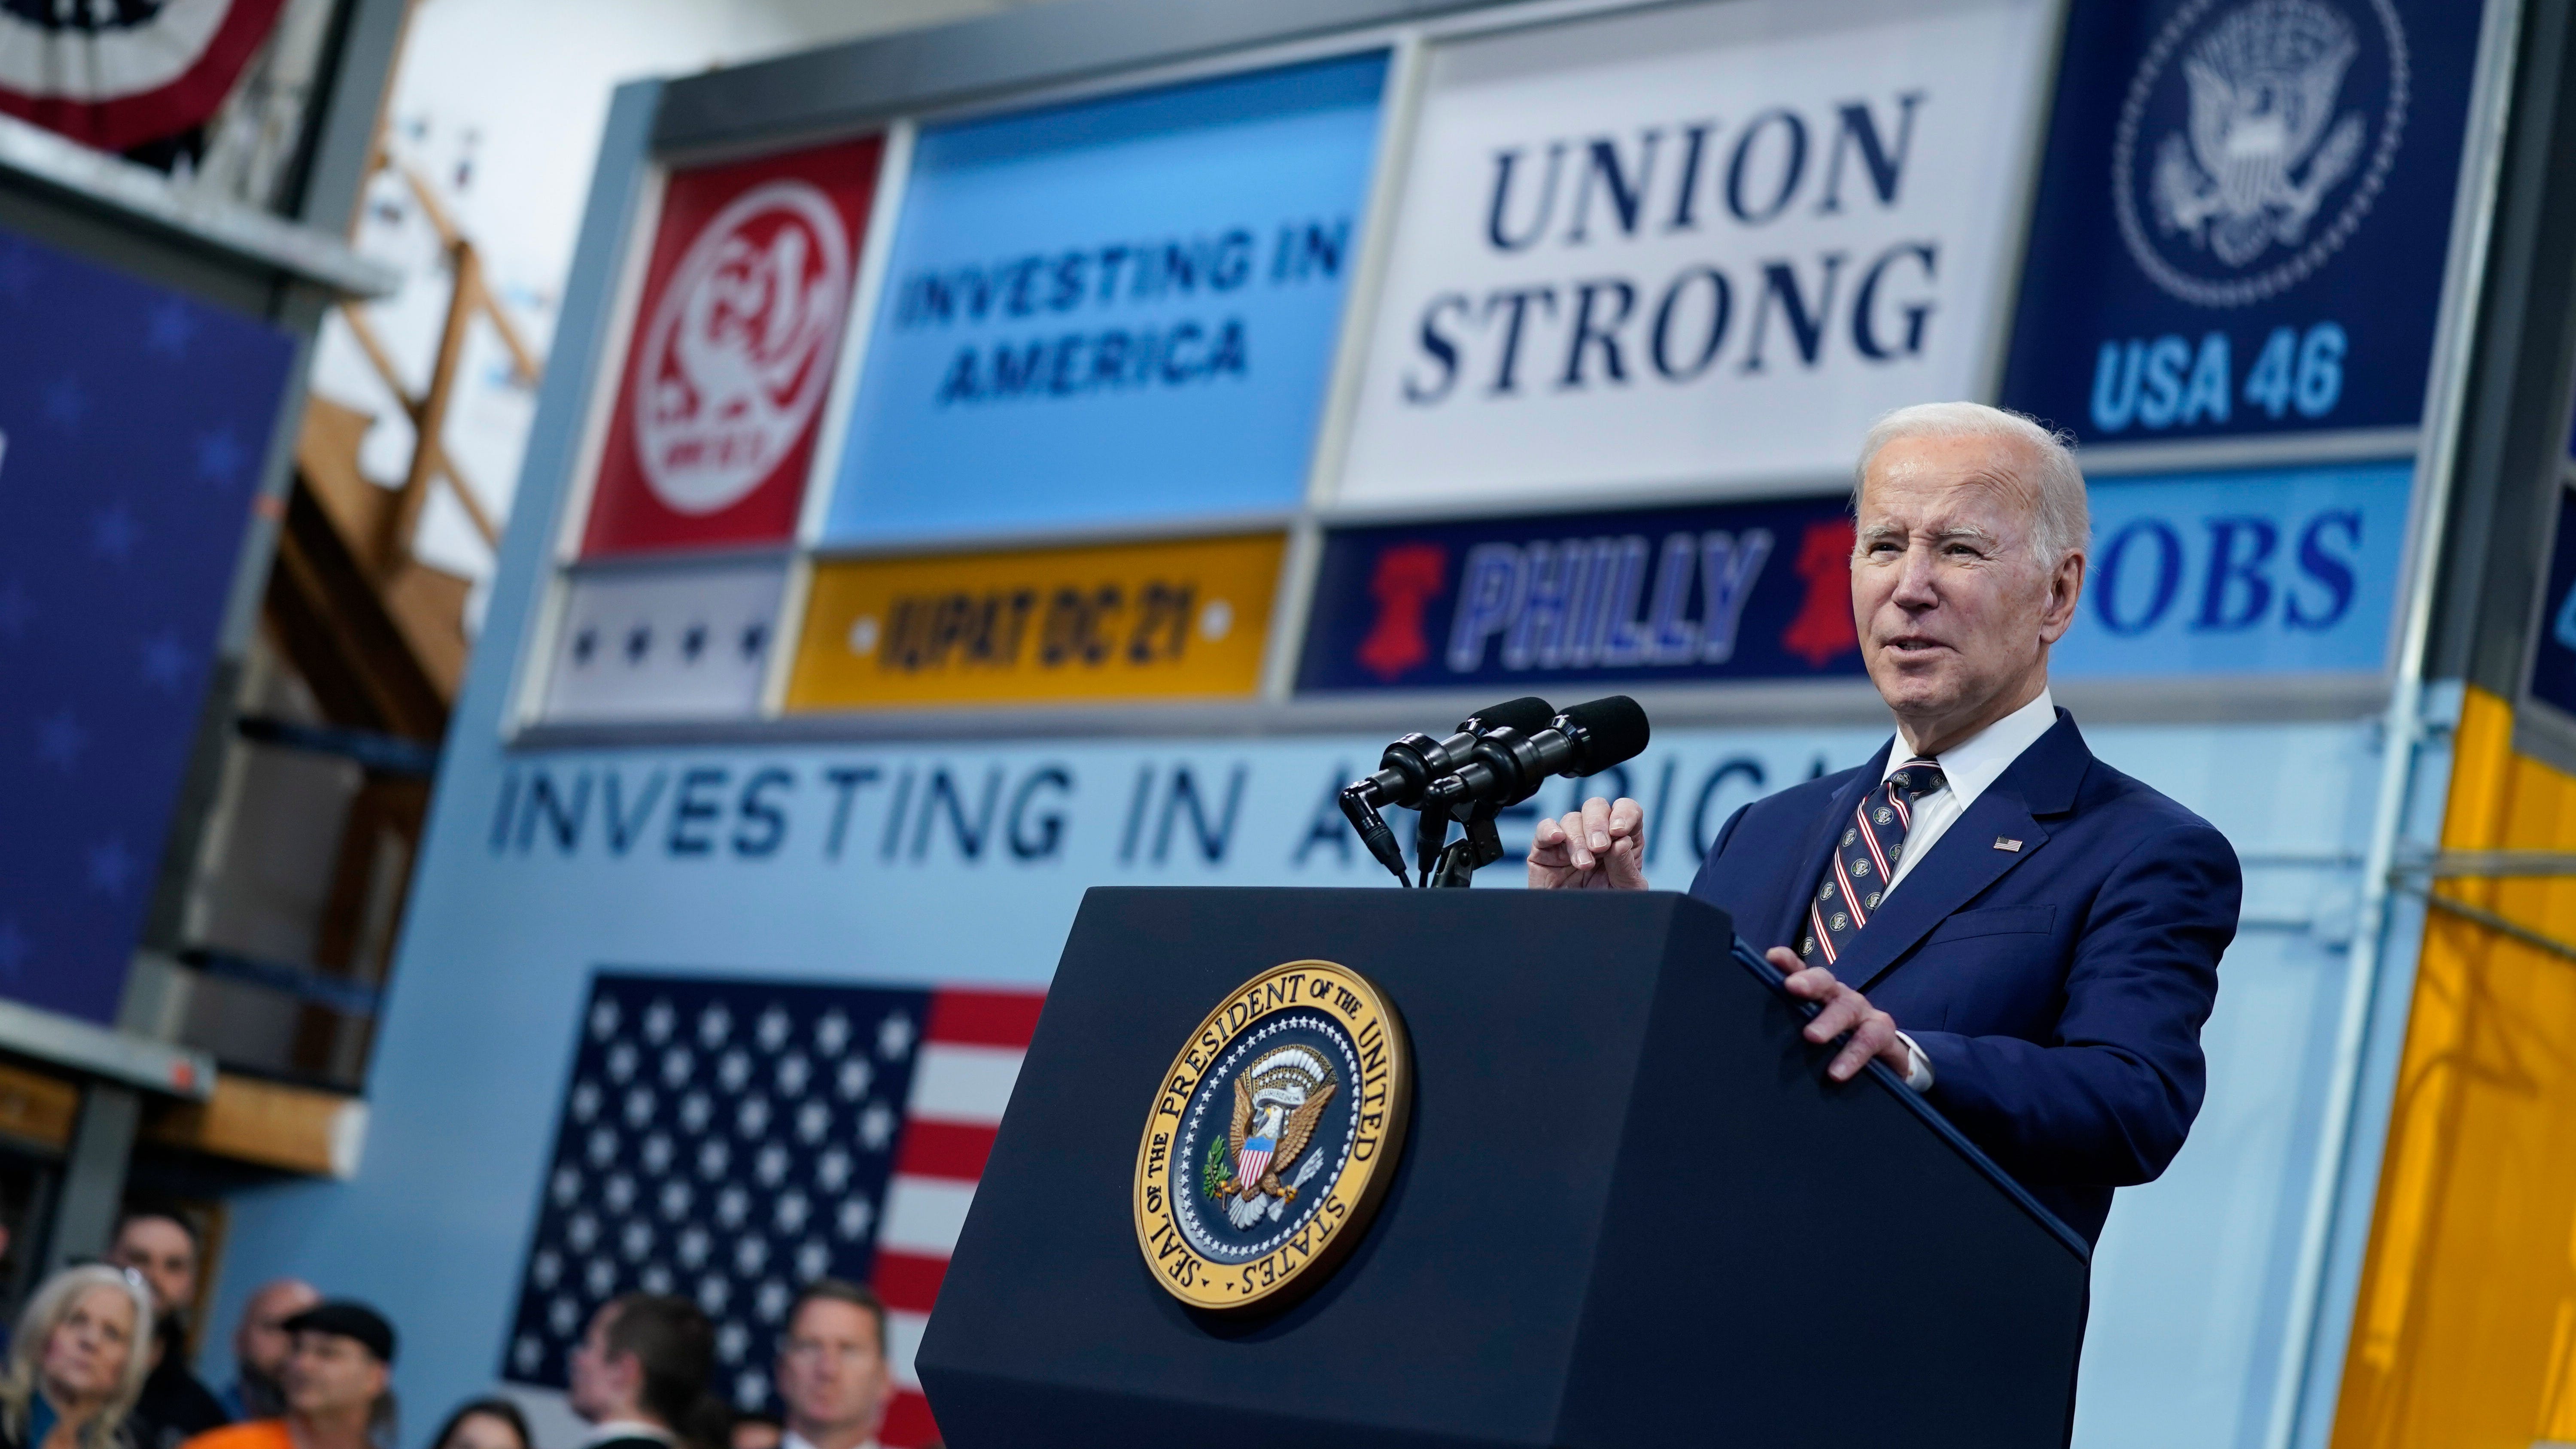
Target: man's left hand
point(1873, 1032)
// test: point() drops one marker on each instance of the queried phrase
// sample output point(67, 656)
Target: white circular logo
point(2235, 137)
point(739, 351)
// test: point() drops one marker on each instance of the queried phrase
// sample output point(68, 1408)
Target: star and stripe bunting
point(731, 1140)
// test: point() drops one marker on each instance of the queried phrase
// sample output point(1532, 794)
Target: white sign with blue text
point(1705, 244)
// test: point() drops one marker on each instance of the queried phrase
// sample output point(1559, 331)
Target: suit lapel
point(1819, 852)
point(1962, 862)
point(1966, 860)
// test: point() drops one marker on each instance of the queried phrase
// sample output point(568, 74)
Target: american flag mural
point(729, 1140)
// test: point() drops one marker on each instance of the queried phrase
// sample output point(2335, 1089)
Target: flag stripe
point(903, 1342)
point(923, 1214)
point(910, 1281)
point(985, 1018)
point(907, 1420)
point(969, 1060)
point(944, 1149)
point(963, 1083)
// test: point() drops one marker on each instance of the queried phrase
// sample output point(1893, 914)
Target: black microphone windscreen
point(1528, 714)
point(1614, 731)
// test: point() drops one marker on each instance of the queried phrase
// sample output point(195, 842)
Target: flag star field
point(132, 418)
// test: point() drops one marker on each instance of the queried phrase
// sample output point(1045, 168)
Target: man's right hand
point(1599, 847)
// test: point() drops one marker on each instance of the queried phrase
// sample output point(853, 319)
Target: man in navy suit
point(2022, 933)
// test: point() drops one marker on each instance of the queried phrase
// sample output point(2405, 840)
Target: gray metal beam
point(843, 87)
point(341, 137)
point(93, 1174)
point(38, 159)
point(2516, 432)
point(119, 1058)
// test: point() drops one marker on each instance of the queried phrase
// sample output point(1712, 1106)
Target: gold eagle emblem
point(1276, 1107)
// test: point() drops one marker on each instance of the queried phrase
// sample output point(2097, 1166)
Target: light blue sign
point(1117, 310)
point(2288, 572)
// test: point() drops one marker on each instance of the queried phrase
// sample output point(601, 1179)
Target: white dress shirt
point(1967, 768)
point(793, 1440)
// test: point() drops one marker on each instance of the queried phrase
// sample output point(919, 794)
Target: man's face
point(327, 1373)
point(1954, 607)
point(602, 1384)
point(831, 1369)
point(262, 1343)
point(165, 1255)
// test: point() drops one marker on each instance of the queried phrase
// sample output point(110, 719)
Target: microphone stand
point(1481, 846)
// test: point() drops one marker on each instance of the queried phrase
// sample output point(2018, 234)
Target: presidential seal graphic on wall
point(1272, 1138)
point(2254, 140)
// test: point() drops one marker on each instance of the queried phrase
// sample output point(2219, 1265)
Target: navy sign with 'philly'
point(2242, 217)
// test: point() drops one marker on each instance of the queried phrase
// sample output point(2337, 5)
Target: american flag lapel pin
point(2004, 842)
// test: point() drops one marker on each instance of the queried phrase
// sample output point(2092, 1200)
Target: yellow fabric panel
point(2465, 1329)
point(1158, 621)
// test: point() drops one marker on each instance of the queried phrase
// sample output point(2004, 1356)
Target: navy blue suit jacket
point(2058, 989)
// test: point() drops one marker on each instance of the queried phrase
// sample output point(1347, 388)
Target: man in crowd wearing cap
point(832, 1371)
point(338, 1385)
point(162, 1246)
point(260, 1348)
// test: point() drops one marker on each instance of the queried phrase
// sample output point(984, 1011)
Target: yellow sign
point(1145, 621)
point(1272, 1138)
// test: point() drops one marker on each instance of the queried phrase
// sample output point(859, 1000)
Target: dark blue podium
point(1632, 1210)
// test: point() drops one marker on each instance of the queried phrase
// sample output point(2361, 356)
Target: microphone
point(1412, 763)
point(1507, 766)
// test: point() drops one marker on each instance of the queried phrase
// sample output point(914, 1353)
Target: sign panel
point(1704, 244)
point(2242, 573)
point(731, 351)
point(1184, 620)
point(2276, 572)
point(133, 422)
point(2243, 217)
point(2553, 652)
point(671, 643)
point(1681, 595)
point(1114, 310)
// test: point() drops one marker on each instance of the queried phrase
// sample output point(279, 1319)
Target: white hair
point(2062, 524)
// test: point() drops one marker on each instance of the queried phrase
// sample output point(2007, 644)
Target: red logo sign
point(1409, 577)
point(744, 304)
point(1824, 625)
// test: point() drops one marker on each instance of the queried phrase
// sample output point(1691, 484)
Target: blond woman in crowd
point(77, 1361)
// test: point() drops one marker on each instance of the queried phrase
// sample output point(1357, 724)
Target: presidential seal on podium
point(1272, 1138)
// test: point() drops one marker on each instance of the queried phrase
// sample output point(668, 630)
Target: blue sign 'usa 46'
point(2242, 217)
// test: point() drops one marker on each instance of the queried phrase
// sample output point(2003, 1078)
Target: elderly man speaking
point(2022, 933)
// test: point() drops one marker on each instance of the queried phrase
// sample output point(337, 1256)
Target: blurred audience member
point(260, 1346)
point(640, 1376)
point(76, 1361)
point(175, 1407)
point(484, 1424)
point(832, 1367)
point(337, 1381)
point(756, 1431)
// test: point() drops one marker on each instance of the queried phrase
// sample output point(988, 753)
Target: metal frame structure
point(288, 269)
